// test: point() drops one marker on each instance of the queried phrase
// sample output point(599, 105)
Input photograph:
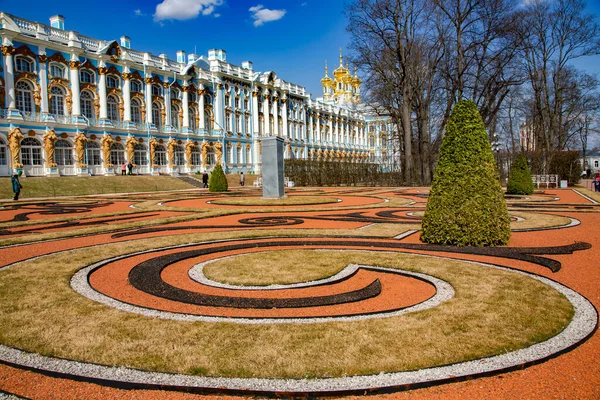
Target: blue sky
point(290, 37)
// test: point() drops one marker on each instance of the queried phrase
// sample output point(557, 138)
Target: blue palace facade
point(74, 105)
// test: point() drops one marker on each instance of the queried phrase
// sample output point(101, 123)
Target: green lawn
point(73, 186)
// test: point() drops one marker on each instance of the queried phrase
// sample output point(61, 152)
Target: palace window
point(57, 100)
point(87, 104)
point(237, 102)
point(247, 120)
point(175, 117)
point(63, 152)
point(86, 76)
point(24, 96)
point(156, 115)
point(248, 155)
point(23, 64)
point(57, 71)
point(175, 93)
point(246, 107)
point(228, 122)
point(207, 99)
point(93, 150)
point(371, 141)
point(140, 153)
point(238, 155)
point(384, 141)
point(117, 154)
point(238, 123)
point(113, 108)
point(112, 81)
point(160, 155)
point(136, 111)
point(3, 153)
point(196, 156)
point(31, 152)
point(179, 155)
point(192, 116)
point(136, 86)
point(192, 96)
point(229, 155)
point(227, 101)
point(156, 90)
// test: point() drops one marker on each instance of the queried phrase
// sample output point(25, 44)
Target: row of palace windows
point(31, 154)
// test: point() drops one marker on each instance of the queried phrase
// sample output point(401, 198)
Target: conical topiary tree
point(519, 180)
point(466, 203)
point(217, 181)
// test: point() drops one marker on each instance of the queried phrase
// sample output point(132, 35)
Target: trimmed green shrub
point(217, 181)
point(519, 180)
point(466, 203)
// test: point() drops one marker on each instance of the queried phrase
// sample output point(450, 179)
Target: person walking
point(242, 179)
point(205, 179)
point(123, 168)
point(16, 185)
point(597, 182)
point(129, 168)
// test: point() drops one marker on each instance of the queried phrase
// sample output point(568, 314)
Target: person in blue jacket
point(16, 185)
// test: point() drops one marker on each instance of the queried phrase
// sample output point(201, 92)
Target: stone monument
point(272, 168)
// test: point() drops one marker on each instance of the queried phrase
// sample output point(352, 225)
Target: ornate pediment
point(88, 65)
point(25, 51)
point(59, 58)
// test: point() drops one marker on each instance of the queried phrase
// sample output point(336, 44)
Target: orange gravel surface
point(346, 201)
point(573, 375)
point(36, 212)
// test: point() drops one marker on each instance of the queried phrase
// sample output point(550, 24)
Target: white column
point(330, 133)
point(148, 96)
point(201, 109)
point(9, 77)
point(309, 132)
point(167, 98)
point(186, 109)
point(255, 111)
point(276, 116)
point(102, 90)
point(43, 83)
point(74, 72)
point(218, 110)
point(285, 117)
point(318, 138)
point(127, 97)
point(337, 130)
point(267, 115)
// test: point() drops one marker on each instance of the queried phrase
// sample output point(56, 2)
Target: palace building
point(74, 105)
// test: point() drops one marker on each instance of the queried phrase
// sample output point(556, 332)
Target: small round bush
point(217, 181)
point(466, 203)
point(519, 180)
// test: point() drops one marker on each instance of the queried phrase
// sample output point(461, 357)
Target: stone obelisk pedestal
point(272, 168)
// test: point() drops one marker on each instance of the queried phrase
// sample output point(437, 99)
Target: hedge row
point(336, 173)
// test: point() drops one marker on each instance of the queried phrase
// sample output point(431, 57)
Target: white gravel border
point(582, 325)
point(572, 222)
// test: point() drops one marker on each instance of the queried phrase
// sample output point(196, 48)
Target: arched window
point(31, 152)
point(207, 99)
point(207, 122)
point(23, 64)
point(160, 156)
point(211, 158)
point(248, 155)
point(179, 155)
point(192, 96)
point(136, 111)
point(238, 155)
point(113, 107)
point(57, 71)
point(3, 153)
point(229, 155)
point(136, 86)
point(175, 93)
point(238, 123)
point(156, 116)
point(57, 100)
point(175, 117)
point(156, 90)
point(93, 153)
point(117, 154)
point(196, 156)
point(140, 153)
point(24, 96)
point(87, 104)
point(63, 152)
point(112, 81)
point(86, 76)
point(192, 116)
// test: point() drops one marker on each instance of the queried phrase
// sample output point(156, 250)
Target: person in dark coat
point(205, 179)
point(16, 186)
point(129, 168)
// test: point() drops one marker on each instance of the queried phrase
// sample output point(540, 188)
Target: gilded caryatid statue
point(14, 143)
point(189, 148)
point(80, 140)
point(107, 141)
point(219, 152)
point(171, 145)
point(153, 144)
point(50, 139)
point(130, 148)
point(204, 154)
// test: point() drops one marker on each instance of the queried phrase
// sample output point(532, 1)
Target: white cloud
point(139, 13)
point(184, 9)
point(262, 15)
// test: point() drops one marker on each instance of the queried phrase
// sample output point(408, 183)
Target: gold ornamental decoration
point(14, 143)
point(171, 145)
point(50, 139)
point(205, 147)
point(219, 152)
point(107, 141)
point(8, 50)
point(80, 140)
point(153, 144)
point(130, 148)
point(189, 148)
